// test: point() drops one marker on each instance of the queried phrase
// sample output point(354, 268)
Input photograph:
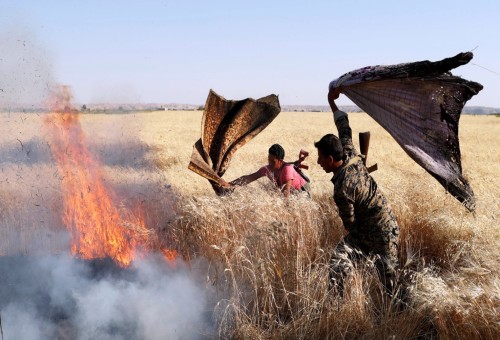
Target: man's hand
point(332, 95)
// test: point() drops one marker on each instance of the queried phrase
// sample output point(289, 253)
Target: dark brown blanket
point(419, 104)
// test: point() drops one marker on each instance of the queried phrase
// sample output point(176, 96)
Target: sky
point(176, 51)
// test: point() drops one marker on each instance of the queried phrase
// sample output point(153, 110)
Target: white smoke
point(56, 296)
point(60, 297)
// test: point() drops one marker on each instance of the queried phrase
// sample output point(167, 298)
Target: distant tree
point(201, 108)
point(84, 107)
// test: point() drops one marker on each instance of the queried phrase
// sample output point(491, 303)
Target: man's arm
point(244, 180)
point(287, 188)
point(342, 123)
point(346, 211)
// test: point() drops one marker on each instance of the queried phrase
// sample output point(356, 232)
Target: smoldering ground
point(59, 297)
point(47, 294)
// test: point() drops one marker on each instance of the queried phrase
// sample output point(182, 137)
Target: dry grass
point(268, 257)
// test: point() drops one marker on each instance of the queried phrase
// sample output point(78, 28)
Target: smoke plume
point(56, 297)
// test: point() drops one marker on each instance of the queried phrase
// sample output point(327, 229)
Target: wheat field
point(264, 258)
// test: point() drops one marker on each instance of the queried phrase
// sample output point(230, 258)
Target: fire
point(98, 228)
point(169, 254)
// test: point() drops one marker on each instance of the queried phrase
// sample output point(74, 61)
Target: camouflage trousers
point(381, 246)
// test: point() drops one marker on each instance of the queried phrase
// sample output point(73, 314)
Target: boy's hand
point(225, 184)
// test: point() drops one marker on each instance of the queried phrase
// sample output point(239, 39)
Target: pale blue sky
point(175, 51)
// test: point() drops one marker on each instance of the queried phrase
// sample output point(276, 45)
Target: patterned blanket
point(226, 126)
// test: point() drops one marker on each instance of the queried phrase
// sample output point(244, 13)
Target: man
point(363, 208)
point(282, 174)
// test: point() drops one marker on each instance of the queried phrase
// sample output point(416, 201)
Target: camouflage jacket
point(362, 206)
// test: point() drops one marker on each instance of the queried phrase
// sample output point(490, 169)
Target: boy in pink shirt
point(282, 174)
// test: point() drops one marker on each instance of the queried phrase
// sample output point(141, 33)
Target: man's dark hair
point(277, 150)
point(330, 145)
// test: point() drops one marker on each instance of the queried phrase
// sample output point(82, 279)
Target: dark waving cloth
point(419, 104)
point(226, 126)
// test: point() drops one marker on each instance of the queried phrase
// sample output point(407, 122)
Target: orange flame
point(98, 228)
point(169, 254)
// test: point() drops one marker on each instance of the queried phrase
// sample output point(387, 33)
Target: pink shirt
point(282, 176)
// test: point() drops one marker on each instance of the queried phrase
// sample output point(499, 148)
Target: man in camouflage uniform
point(364, 210)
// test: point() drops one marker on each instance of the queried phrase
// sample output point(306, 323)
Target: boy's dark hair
point(330, 145)
point(278, 151)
